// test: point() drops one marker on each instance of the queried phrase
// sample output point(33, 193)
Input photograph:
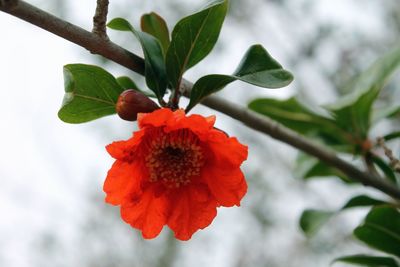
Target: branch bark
point(107, 49)
point(394, 162)
point(100, 19)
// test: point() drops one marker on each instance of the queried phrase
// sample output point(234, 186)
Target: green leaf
point(257, 67)
point(193, 38)
point(90, 93)
point(362, 201)
point(155, 72)
point(127, 83)
point(369, 261)
point(308, 167)
point(296, 116)
point(156, 26)
point(386, 112)
point(311, 220)
point(207, 85)
point(381, 230)
point(353, 111)
point(391, 136)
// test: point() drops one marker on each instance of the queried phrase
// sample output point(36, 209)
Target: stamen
point(174, 158)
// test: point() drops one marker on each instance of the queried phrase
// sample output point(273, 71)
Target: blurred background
point(51, 173)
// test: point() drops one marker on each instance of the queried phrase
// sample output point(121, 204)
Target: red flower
point(175, 171)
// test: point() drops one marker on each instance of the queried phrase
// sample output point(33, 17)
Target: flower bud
point(131, 102)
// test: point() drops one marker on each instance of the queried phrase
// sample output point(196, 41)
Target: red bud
point(131, 102)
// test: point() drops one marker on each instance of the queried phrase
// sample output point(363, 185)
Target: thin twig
point(369, 163)
point(74, 34)
point(100, 19)
point(394, 162)
point(253, 120)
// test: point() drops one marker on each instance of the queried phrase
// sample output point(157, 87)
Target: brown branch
point(72, 33)
point(253, 120)
point(100, 19)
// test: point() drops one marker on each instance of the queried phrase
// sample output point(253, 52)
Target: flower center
point(174, 158)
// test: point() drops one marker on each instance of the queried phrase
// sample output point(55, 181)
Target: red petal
point(193, 208)
point(196, 123)
point(227, 185)
point(117, 149)
point(123, 181)
point(156, 118)
point(147, 213)
point(211, 120)
point(120, 149)
point(226, 152)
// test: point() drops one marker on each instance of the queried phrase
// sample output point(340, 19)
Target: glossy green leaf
point(207, 85)
point(193, 38)
point(353, 111)
point(312, 220)
point(381, 230)
point(156, 26)
point(369, 261)
point(155, 72)
point(90, 93)
point(257, 67)
point(127, 83)
point(294, 115)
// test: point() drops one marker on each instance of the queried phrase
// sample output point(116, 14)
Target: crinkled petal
point(156, 118)
point(192, 208)
point(227, 185)
point(147, 213)
point(196, 123)
point(120, 149)
point(123, 181)
point(211, 120)
point(226, 151)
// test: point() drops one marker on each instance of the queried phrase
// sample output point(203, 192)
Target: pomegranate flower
point(176, 170)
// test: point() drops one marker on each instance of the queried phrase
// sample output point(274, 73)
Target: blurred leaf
point(385, 168)
point(257, 67)
point(386, 112)
point(381, 230)
point(193, 38)
point(312, 220)
point(155, 72)
point(391, 136)
point(362, 201)
point(308, 167)
point(296, 116)
point(353, 111)
point(155, 25)
point(90, 93)
point(369, 261)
